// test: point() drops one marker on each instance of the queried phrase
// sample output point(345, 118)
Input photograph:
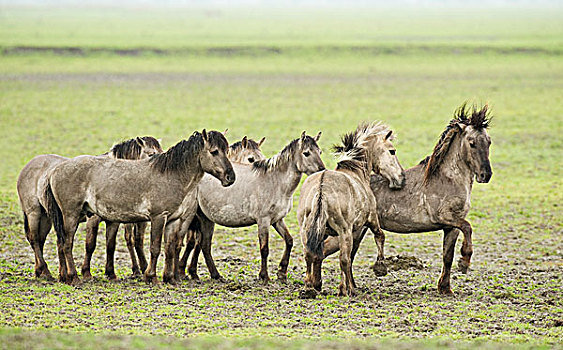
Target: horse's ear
point(225, 132)
point(262, 141)
point(244, 142)
point(159, 141)
point(140, 141)
point(318, 136)
point(204, 134)
point(303, 135)
point(388, 135)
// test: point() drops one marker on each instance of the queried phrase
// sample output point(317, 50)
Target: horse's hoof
point(194, 277)
point(379, 269)
point(462, 266)
point(264, 280)
point(136, 273)
point(151, 279)
point(111, 277)
point(74, 281)
point(447, 291)
point(219, 279)
point(282, 276)
point(169, 279)
point(308, 293)
point(46, 275)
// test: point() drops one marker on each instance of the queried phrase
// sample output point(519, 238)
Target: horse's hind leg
point(32, 227)
point(139, 234)
point(346, 242)
point(171, 229)
point(92, 225)
point(190, 244)
point(207, 228)
point(450, 237)
point(63, 273)
point(44, 228)
point(282, 229)
point(111, 234)
point(379, 267)
point(466, 247)
point(128, 235)
point(70, 226)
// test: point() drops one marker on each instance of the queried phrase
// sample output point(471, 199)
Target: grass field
point(74, 81)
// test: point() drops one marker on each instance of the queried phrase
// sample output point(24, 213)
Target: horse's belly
point(229, 215)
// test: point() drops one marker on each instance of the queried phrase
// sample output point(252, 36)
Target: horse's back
point(28, 184)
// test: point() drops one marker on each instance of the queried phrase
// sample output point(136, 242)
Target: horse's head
point(475, 144)
point(213, 157)
point(386, 162)
point(149, 146)
point(246, 151)
point(308, 154)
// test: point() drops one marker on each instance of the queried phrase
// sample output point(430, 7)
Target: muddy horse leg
point(190, 243)
point(283, 231)
point(63, 273)
point(263, 236)
point(192, 268)
point(346, 287)
point(111, 235)
point(157, 228)
point(207, 229)
point(128, 235)
point(44, 228)
point(32, 227)
point(92, 225)
point(450, 237)
point(70, 226)
point(379, 267)
point(170, 251)
point(139, 237)
point(466, 247)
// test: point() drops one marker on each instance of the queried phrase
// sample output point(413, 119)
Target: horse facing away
point(33, 176)
point(246, 151)
point(261, 195)
point(134, 233)
point(437, 191)
point(340, 202)
point(161, 189)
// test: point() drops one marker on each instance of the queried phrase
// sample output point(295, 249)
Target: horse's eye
point(472, 144)
point(392, 151)
point(306, 153)
point(251, 160)
point(215, 152)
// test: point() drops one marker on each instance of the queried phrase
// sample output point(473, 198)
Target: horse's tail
point(316, 224)
point(55, 213)
point(25, 224)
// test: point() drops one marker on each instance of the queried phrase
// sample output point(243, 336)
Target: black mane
point(131, 149)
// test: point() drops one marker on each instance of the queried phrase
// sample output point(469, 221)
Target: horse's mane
point(283, 157)
point(181, 156)
point(131, 149)
point(469, 116)
point(352, 153)
point(237, 146)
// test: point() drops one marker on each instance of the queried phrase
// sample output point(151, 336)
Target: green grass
point(414, 69)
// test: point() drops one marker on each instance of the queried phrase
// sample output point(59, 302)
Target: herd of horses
point(203, 181)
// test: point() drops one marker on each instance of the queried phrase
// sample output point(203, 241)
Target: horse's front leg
point(170, 251)
point(283, 231)
point(466, 247)
point(92, 225)
point(263, 236)
point(450, 237)
point(190, 244)
point(378, 267)
point(157, 228)
point(111, 235)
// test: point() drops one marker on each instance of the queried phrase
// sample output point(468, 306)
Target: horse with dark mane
point(161, 189)
point(437, 191)
point(339, 202)
point(32, 179)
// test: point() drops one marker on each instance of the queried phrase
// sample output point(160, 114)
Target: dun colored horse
point(161, 189)
point(33, 178)
point(340, 202)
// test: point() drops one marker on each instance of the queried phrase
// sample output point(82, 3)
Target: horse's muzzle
point(484, 176)
point(397, 185)
point(229, 179)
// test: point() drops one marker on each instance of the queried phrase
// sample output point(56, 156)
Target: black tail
point(25, 224)
point(55, 213)
point(316, 224)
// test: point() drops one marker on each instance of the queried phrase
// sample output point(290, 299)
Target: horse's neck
point(287, 179)
point(455, 168)
point(359, 175)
